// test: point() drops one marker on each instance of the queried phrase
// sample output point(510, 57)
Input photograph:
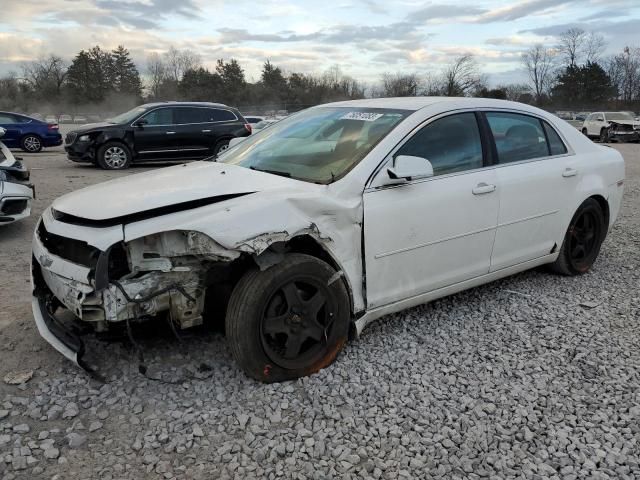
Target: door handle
point(170, 133)
point(483, 188)
point(206, 131)
point(569, 172)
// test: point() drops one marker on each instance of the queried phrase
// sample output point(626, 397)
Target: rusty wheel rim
point(298, 323)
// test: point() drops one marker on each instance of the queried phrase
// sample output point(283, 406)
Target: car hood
point(633, 123)
point(88, 127)
point(166, 190)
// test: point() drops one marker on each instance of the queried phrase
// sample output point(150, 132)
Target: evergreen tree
point(88, 76)
point(124, 74)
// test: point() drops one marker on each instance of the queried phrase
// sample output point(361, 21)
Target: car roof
point(185, 104)
point(417, 103)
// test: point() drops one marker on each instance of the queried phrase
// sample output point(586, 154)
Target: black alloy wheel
point(297, 321)
point(289, 320)
point(582, 241)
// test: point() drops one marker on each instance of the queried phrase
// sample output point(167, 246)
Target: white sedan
point(302, 234)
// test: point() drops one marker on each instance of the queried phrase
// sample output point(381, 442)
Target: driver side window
point(161, 116)
point(451, 144)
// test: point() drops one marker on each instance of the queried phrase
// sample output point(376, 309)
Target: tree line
point(573, 73)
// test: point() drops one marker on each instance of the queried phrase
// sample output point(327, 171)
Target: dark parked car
point(28, 133)
point(157, 131)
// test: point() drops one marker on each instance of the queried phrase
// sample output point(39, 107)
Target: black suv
point(157, 131)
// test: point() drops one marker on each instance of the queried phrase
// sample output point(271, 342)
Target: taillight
point(52, 126)
point(248, 127)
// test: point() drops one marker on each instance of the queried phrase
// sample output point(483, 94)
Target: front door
point(427, 234)
point(157, 139)
point(535, 177)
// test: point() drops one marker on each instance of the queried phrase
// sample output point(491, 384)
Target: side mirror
point(141, 123)
point(235, 140)
point(2, 132)
point(408, 167)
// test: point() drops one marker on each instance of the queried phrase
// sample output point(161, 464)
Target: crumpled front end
point(624, 132)
point(159, 274)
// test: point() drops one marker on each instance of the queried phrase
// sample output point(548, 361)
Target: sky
point(364, 37)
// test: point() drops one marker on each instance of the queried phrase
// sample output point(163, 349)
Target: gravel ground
point(535, 376)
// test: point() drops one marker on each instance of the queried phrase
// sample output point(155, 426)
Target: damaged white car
point(307, 231)
point(16, 193)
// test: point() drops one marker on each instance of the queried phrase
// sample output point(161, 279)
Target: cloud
point(520, 9)
point(437, 12)
point(147, 14)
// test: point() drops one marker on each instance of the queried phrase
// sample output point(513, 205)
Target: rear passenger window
point(556, 145)
point(518, 137)
point(451, 144)
point(216, 115)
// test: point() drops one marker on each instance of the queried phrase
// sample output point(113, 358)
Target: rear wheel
point(31, 143)
point(221, 146)
point(114, 156)
point(288, 321)
point(582, 241)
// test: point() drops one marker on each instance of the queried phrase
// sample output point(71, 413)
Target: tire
point(604, 135)
point(585, 132)
point(221, 146)
point(582, 241)
point(31, 143)
point(114, 156)
point(272, 330)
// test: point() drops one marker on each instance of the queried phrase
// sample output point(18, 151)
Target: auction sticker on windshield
point(365, 116)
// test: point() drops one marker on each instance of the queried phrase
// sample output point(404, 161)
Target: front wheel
point(582, 241)
point(31, 143)
point(585, 132)
point(288, 321)
point(114, 156)
point(604, 135)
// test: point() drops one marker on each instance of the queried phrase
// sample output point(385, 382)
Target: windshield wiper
point(273, 172)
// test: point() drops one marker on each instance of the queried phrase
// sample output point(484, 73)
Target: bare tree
point(624, 71)
point(177, 62)
point(462, 77)
point(515, 92)
point(571, 45)
point(157, 71)
point(400, 85)
point(46, 75)
point(594, 47)
point(539, 61)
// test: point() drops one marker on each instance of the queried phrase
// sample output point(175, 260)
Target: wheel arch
point(604, 204)
point(309, 245)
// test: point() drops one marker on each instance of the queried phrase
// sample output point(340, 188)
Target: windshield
point(129, 116)
point(619, 116)
point(317, 145)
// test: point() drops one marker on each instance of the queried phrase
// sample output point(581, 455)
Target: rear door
point(157, 138)
point(222, 124)
point(536, 176)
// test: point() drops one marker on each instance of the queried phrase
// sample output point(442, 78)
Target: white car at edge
point(16, 193)
point(304, 233)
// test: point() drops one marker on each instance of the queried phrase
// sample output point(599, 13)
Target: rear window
point(556, 145)
point(517, 137)
point(203, 115)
